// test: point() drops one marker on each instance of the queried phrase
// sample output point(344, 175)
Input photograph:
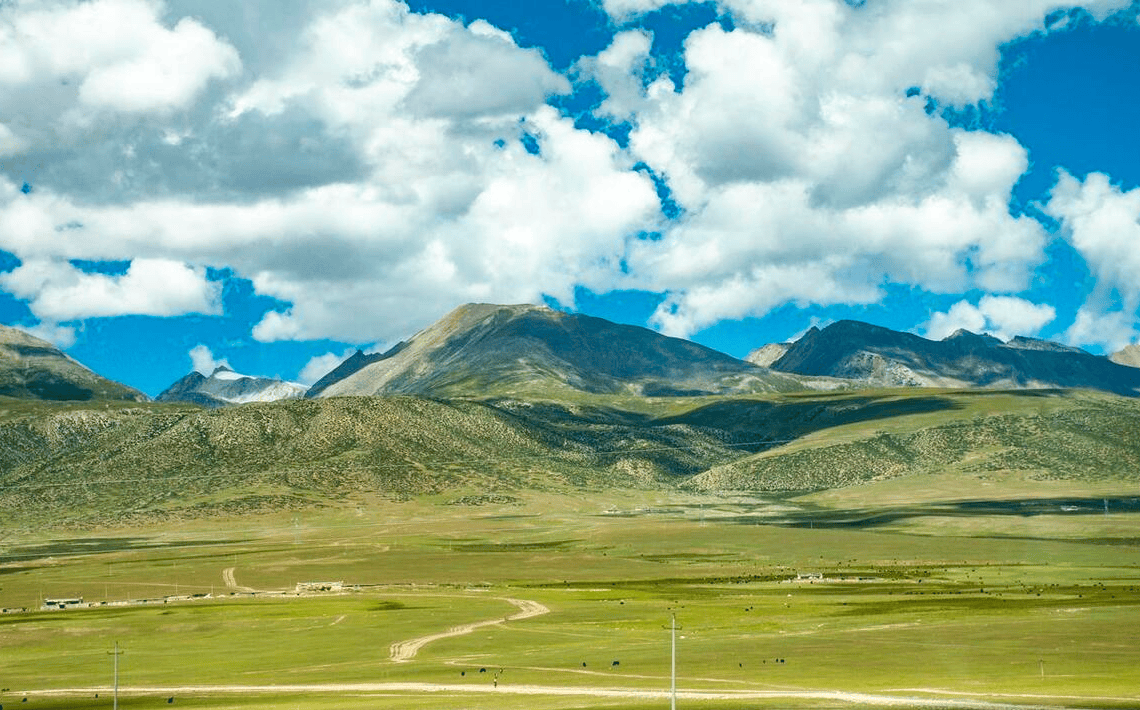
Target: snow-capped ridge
point(224, 387)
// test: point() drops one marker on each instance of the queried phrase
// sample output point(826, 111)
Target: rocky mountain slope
point(878, 356)
point(31, 368)
point(768, 354)
point(481, 350)
point(1129, 356)
point(224, 387)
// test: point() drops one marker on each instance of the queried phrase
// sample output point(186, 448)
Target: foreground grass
point(955, 612)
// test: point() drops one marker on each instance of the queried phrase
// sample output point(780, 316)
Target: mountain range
point(506, 399)
point(508, 350)
point(528, 352)
point(880, 357)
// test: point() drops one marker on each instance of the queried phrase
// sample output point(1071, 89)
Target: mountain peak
point(481, 349)
point(963, 336)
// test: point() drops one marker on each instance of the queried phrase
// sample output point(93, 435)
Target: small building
point(320, 586)
point(69, 603)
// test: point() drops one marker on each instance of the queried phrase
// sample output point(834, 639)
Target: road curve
point(231, 581)
point(404, 651)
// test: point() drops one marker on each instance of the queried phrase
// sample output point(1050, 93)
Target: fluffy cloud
point(115, 55)
point(202, 360)
point(808, 164)
point(1001, 316)
point(1110, 329)
point(58, 291)
point(443, 201)
point(1102, 222)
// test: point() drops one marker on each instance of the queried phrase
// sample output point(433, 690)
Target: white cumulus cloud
point(446, 205)
point(1102, 222)
point(116, 55)
point(807, 165)
point(58, 291)
point(1001, 316)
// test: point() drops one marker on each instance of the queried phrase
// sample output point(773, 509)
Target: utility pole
point(673, 664)
point(116, 654)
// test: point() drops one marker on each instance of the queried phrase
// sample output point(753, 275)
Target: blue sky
point(272, 184)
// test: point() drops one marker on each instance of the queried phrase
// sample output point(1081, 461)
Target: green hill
point(71, 464)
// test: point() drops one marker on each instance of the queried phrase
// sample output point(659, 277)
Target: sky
point(272, 184)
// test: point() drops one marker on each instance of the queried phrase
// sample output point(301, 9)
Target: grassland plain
point(990, 576)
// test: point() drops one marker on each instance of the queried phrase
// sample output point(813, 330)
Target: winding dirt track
point(432, 688)
point(403, 651)
point(231, 581)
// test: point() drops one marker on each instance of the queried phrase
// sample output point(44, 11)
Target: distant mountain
point(768, 354)
point(481, 349)
point(224, 387)
point(1129, 356)
point(31, 368)
point(879, 356)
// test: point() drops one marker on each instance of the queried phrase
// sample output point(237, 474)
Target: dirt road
point(866, 699)
point(231, 581)
point(403, 651)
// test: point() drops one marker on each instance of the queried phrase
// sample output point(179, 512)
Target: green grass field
point(948, 603)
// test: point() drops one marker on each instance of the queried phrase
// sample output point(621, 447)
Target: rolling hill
point(82, 464)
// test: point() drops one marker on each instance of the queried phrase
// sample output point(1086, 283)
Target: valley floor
point(558, 601)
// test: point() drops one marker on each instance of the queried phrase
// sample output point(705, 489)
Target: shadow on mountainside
point(863, 518)
point(757, 425)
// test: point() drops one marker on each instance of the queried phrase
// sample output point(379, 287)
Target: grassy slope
point(107, 463)
point(995, 438)
point(75, 464)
